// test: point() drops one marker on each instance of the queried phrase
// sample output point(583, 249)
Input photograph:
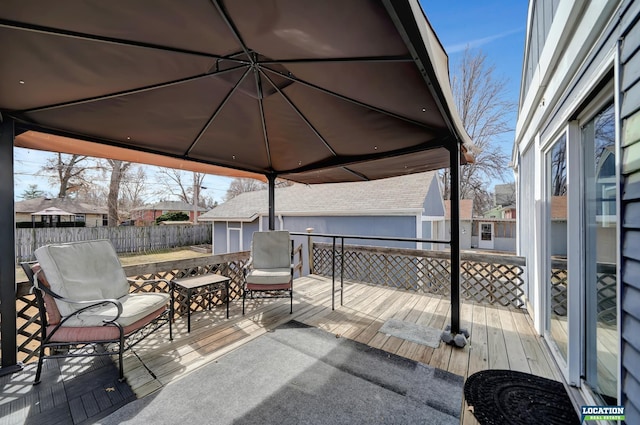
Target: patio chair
point(86, 307)
point(269, 272)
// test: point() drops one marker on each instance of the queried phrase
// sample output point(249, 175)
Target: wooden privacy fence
point(124, 238)
point(492, 279)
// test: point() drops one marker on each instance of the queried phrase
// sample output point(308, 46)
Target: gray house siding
point(586, 75)
point(247, 232)
point(426, 230)
point(467, 240)
point(630, 232)
point(432, 204)
point(219, 237)
point(401, 226)
point(221, 231)
point(542, 17)
point(392, 226)
point(505, 244)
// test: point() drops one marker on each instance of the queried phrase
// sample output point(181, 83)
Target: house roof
point(396, 195)
point(466, 209)
point(168, 206)
point(70, 205)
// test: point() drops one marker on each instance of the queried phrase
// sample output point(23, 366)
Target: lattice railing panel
point(559, 290)
point(496, 282)
point(607, 298)
point(28, 323)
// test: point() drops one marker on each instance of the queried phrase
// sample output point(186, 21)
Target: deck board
point(501, 338)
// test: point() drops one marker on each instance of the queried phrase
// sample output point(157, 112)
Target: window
point(557, 237)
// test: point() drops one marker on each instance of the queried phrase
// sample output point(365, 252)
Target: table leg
point(188, 310)
point(227, 288)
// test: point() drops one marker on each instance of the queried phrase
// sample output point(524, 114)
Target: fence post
point(310, 249)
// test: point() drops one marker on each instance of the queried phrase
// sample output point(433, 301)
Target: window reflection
point(557, 246)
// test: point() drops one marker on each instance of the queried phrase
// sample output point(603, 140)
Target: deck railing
point(606, 296)
point(231, 265)
point(492, 279)
point(486, 278)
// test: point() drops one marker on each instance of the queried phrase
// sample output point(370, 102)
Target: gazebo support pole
point(453, 334)
point(8, 326)
point(272, 201)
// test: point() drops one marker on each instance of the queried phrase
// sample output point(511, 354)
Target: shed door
point(485, 237)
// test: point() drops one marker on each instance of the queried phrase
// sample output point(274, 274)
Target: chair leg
point(170, 323)
point(244, 296)
point(291, 297)
point(120, 355)
point(39, 369)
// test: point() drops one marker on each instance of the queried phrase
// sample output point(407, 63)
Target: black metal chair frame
point(92, 348)
point(274, 293)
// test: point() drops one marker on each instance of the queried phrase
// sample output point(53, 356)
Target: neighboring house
point(90, 215)
point(504, 201)
point(577, 148)
point(147, 214)
point(466, 219)
point(484, 233)
point(406, 206)
point(501, 212)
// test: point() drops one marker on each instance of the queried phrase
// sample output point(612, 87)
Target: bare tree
point(559, 168)
point(240, 185)
point(134, 188)
point(176, 183)
point(480, 98)
point(66, 171)
point(118, 171)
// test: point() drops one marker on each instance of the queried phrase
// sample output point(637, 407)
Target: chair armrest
point(248, 265)
point(86, 304)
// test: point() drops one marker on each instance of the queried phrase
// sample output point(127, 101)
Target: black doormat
point(499, 397)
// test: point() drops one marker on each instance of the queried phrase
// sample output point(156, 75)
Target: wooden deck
point(501, 338)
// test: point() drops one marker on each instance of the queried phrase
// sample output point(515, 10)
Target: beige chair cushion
point(83, 271)
point(269, 276)
point(134, 308)
point(271, 250)
point(99, 333)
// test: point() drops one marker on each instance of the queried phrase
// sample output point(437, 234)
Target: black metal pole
point(333, 276)
point(272, 201)
point(8, 326)
point(454, 152)
point(341, 270)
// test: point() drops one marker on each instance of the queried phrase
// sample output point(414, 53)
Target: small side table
point(213, 282)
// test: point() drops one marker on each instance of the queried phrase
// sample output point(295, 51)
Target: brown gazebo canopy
point(311, 91)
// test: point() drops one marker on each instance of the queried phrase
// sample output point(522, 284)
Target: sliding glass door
point(600, 212)
point(557, 270)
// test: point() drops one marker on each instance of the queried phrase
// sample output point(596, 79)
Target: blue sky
point(497, 27)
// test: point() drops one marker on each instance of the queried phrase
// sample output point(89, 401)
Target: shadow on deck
point(501, 338)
